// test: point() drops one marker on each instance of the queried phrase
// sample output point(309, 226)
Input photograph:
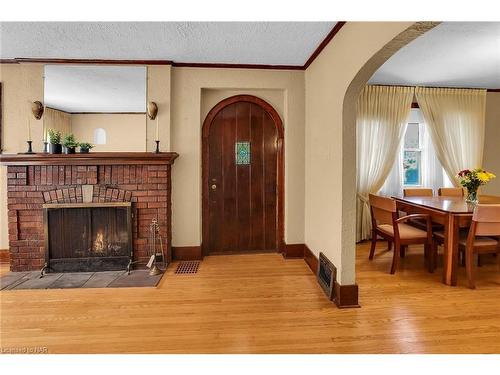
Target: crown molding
point(28, 60)
point(237, 66)
point(324, 43)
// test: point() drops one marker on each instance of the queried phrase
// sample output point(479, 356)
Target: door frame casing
point(280, 175)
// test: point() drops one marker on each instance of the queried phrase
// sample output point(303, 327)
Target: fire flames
point(99, 243)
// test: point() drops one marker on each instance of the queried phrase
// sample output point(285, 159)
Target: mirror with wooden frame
point(104, 105)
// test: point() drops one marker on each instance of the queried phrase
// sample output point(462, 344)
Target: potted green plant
point(85, 147)
point(69, 144)
point(55, 141)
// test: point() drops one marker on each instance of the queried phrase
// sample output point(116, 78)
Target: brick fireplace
point(38, 180)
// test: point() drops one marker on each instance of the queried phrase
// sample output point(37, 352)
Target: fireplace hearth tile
point(102, 279)
point(35, 282)
point(12, 279)
point(71, 280)
point(138, 278)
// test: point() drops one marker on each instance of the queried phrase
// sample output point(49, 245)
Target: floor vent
point(188, 267)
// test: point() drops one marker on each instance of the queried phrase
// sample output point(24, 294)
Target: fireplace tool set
point(154, 239)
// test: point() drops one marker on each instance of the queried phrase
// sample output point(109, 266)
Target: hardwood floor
point(263, 304)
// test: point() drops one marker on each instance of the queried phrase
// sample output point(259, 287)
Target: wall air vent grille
point(327, 274)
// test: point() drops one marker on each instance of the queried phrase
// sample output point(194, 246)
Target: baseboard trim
point(311, 259)
point(187, 253)
point(294, 251)
point(4, 256)
point(346, 296)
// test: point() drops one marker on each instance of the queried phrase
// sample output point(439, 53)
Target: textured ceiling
point(453, 54)
point(93, 88)
point(276, 43)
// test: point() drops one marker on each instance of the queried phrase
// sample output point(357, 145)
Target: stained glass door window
point(242, 153)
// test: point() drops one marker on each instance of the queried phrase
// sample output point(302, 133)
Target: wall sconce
point(37, 109)
point(152, 110)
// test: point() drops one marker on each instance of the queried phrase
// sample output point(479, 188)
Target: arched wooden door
point(242, 177)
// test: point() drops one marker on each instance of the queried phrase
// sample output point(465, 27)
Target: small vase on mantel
point(55, 148)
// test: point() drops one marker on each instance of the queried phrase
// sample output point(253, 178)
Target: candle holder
point(30, 149)
point(46, 147)
point(157, 151)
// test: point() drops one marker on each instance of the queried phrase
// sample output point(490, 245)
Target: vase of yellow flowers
point(472, 180)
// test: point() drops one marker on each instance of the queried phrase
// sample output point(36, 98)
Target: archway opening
point(349, 137)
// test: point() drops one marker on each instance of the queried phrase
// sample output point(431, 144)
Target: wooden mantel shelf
point(92, 158)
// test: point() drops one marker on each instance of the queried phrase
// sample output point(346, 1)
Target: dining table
point(454, 214)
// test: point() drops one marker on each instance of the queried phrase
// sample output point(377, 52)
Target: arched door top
point(243, 98)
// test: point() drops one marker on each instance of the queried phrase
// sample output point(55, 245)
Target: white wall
point(158, 91)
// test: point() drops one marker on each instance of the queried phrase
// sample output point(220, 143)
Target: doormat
point(72, 280)
point(188, 267)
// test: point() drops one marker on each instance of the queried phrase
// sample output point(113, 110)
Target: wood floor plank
point(262, 303)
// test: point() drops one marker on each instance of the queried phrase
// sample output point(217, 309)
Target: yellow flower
point(483, 176)
point(491, 175)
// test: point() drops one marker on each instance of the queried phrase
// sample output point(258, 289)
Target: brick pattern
point(104, 193)
point(148, 187)
point(68, 195)
point(101, 193)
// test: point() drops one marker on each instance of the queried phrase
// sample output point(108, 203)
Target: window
point(412, 155)
point(416, 163)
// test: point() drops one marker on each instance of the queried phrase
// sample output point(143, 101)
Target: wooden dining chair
point(419, 222)
point(386, 224)
point(483, 238)
point(417, 192)
point(451, 192)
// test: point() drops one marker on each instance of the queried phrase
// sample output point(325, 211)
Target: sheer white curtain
point(393, 185)
point(381, 119)
point(433, 174)
point(455, 119)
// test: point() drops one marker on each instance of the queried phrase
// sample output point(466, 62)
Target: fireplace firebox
point(87, 237)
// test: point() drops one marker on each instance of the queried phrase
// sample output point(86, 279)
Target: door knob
point(214, 187)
